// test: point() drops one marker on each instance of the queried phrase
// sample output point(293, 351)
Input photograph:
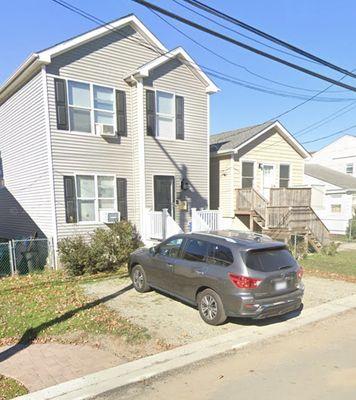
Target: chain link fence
point(22, 257)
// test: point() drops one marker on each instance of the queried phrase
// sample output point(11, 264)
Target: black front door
point(164, 193)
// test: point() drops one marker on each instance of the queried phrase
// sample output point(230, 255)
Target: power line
point(95, 19)
point(326, 120)
point(243, 45)
point(214, 11)
point(329, 136)
point(243, 35)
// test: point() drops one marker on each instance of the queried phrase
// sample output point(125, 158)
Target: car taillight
point(300, 272)
point(244, 282)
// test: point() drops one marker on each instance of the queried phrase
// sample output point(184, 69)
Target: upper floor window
point(165, 115)
point(91, 108)
point(284, 173)
point(247, 174)
point(336, 208)
point(349, 169)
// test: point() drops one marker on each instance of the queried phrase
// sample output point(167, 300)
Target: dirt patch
point(172, 323)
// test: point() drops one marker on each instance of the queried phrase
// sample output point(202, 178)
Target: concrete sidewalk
point(137, 371)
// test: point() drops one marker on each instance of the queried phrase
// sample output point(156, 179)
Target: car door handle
point(170, 265)
point(199, 272)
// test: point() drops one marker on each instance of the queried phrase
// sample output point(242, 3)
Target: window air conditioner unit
point(109, 217)
point(104, 130)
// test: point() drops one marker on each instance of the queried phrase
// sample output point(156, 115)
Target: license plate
point(280, 285)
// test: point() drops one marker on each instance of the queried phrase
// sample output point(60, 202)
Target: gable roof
point(336, 178)
point(36, 60)
point(183, 56)
point(232, 141)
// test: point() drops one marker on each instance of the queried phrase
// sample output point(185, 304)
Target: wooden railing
point(298, 219)
point(251, 200)
point(294, 197)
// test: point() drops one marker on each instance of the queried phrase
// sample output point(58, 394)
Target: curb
point(136, 371)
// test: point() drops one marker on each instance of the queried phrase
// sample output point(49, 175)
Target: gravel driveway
point(176, 323)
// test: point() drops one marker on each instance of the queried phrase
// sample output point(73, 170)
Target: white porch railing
point(160, 225)
point(206, 220)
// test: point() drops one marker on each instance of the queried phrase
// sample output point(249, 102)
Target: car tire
point(211, 308)
point(139, 279)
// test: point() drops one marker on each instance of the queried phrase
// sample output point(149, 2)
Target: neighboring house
point(337, 188)
point(339, 155)
point(108, 121)
point(256, 179)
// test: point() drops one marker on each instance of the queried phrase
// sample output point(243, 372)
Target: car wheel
point(139, 280)
point(211, 308)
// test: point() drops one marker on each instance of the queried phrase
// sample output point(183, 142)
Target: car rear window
point(268, 260)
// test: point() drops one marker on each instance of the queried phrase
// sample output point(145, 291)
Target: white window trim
point(96, 200)
point(91, 109)
point(165, 115)
point(246, 160)
point(290, 174)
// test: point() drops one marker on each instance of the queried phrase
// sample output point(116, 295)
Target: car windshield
point(269, 260)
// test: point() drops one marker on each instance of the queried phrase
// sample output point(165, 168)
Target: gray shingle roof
point(328, 175)
point(231, 139)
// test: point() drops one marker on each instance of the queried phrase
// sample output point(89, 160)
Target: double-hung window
point(247, 174)
point(91, 106)
point(79, 106)
point(95, 193)
point(165, 115)
point(284, 175)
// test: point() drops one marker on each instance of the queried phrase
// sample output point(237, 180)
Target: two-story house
point(109, 123)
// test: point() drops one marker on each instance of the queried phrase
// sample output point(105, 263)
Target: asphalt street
point(315, 362)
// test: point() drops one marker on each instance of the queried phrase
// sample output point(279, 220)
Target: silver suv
point(224, 273)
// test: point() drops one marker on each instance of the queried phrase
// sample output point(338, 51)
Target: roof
point(336, 178)
point(183, 56)
point(37, 60)
point(232, 141)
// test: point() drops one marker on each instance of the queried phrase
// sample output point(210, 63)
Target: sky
point(326, 29)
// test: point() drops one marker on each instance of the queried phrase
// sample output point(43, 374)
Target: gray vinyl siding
point(106, 61)
point(25, 202)
point(186, 158)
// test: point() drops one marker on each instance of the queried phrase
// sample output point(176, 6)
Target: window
point(220, 255)
point(94, 193)
point(195, 250)
point(336, 208)
point(165, 115)
point(284, 171)
point(170, 248)
point(349, 169)
point(269, 260)
point(247, 174)
point(88, 103)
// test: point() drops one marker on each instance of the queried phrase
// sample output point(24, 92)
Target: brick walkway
point(42, 365)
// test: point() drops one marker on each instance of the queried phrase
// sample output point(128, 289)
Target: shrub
point(111, 248)
point(106, 250)
point(74, 254)
point(330, 249)
point(351, 229)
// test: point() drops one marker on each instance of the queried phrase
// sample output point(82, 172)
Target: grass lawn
point(52, 306)
point(342, 265)
point(10, 388)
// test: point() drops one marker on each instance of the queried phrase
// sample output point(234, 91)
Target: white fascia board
point(183, 56)
point(284, 133)
point(101, 31)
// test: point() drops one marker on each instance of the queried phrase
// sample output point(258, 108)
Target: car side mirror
point(153, 250)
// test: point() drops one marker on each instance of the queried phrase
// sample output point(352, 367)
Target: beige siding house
point(257, 181)
point(109, 124)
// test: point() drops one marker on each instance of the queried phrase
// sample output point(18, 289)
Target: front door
point(164, 193)
point(268, 180)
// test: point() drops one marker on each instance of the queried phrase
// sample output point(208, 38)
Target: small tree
point(351, 229)
point(74, 254)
